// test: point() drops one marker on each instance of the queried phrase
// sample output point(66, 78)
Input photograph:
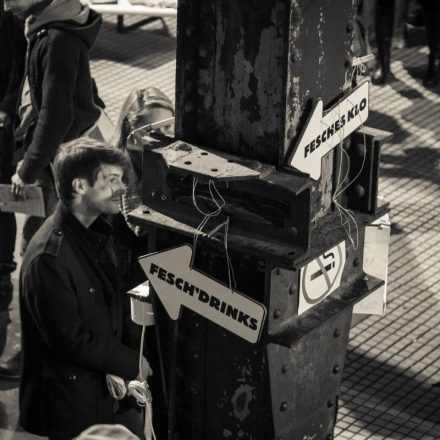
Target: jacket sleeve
point(52, 303)
point(59, 73)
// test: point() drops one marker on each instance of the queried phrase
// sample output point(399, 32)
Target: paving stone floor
point(391, 383)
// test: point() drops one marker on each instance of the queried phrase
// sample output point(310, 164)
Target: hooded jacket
point(61, 86)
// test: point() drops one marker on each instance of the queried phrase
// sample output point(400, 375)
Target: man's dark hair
point(83, 158)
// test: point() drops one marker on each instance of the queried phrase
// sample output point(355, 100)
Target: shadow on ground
point(390, 395)
point(416, 162)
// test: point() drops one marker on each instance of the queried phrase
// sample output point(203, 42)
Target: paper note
point(32, 205)
point(377, 242)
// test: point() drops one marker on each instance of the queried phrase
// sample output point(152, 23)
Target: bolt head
point(283, 406)
point(277, 314)
point(336, 369)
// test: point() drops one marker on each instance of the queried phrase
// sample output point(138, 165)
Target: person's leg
point(431, 11)
point(384, 16)
point(8, 226)
point(367, 19)
point(400, 13)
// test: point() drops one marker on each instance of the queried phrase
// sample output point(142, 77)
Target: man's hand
point(145, 369)
point(5, 120)
point(18, 188)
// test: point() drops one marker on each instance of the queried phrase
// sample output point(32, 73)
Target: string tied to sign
point(219, 202)
point(346, 216)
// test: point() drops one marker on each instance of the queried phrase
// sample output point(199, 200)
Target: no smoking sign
point(321, 277)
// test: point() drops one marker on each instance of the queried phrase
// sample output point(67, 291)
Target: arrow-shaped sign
point(177, 284)
point(323, 133)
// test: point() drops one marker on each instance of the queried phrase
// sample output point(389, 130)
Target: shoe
point(10, 370)
point(6, 289)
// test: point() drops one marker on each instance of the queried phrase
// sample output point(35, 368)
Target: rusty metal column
point(248, 75)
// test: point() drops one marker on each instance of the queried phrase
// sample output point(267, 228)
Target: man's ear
point(79, 185)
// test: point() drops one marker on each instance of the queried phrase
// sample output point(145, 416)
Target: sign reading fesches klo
point(323, 133)
point(177, 285)
point(320, 277)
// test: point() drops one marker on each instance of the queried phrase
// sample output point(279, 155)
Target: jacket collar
point(93, 239)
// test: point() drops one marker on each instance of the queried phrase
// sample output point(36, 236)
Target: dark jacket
point(74, 330)
point(62, 89)
point(12, 58)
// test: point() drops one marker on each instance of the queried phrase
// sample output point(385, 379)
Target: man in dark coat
point(74, 329)
point(62, 91)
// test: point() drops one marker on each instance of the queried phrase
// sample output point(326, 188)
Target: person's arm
point(52, 303)
point(60, 70)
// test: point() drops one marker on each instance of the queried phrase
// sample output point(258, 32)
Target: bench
point(124, 7)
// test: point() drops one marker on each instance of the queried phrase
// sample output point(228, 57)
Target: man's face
point(104, 196)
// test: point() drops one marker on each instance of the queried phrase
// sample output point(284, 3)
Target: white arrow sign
point(177, 284)
point(323, 133)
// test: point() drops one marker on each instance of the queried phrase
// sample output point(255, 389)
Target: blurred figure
point(140, 108)
point(431, 9)
point(384, 22)
point(12, 60)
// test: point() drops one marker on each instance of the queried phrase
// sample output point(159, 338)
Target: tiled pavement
point(391, 385)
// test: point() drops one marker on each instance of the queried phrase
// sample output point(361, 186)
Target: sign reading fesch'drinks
point(323, 133)
point(177, 285)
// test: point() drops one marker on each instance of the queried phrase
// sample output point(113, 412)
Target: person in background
point(389, 17)
point(12, 60)
point(75, 328)
point(140, 108)
point(431, 10)
point(62, 91)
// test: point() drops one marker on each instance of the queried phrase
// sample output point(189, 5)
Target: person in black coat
point(62, 91)
point(74, 330)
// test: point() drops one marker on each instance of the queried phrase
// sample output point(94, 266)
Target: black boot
point(10, 370)
point(384, 17)
point(432, 20)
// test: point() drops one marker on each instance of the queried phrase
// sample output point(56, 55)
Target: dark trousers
point(8, 226)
